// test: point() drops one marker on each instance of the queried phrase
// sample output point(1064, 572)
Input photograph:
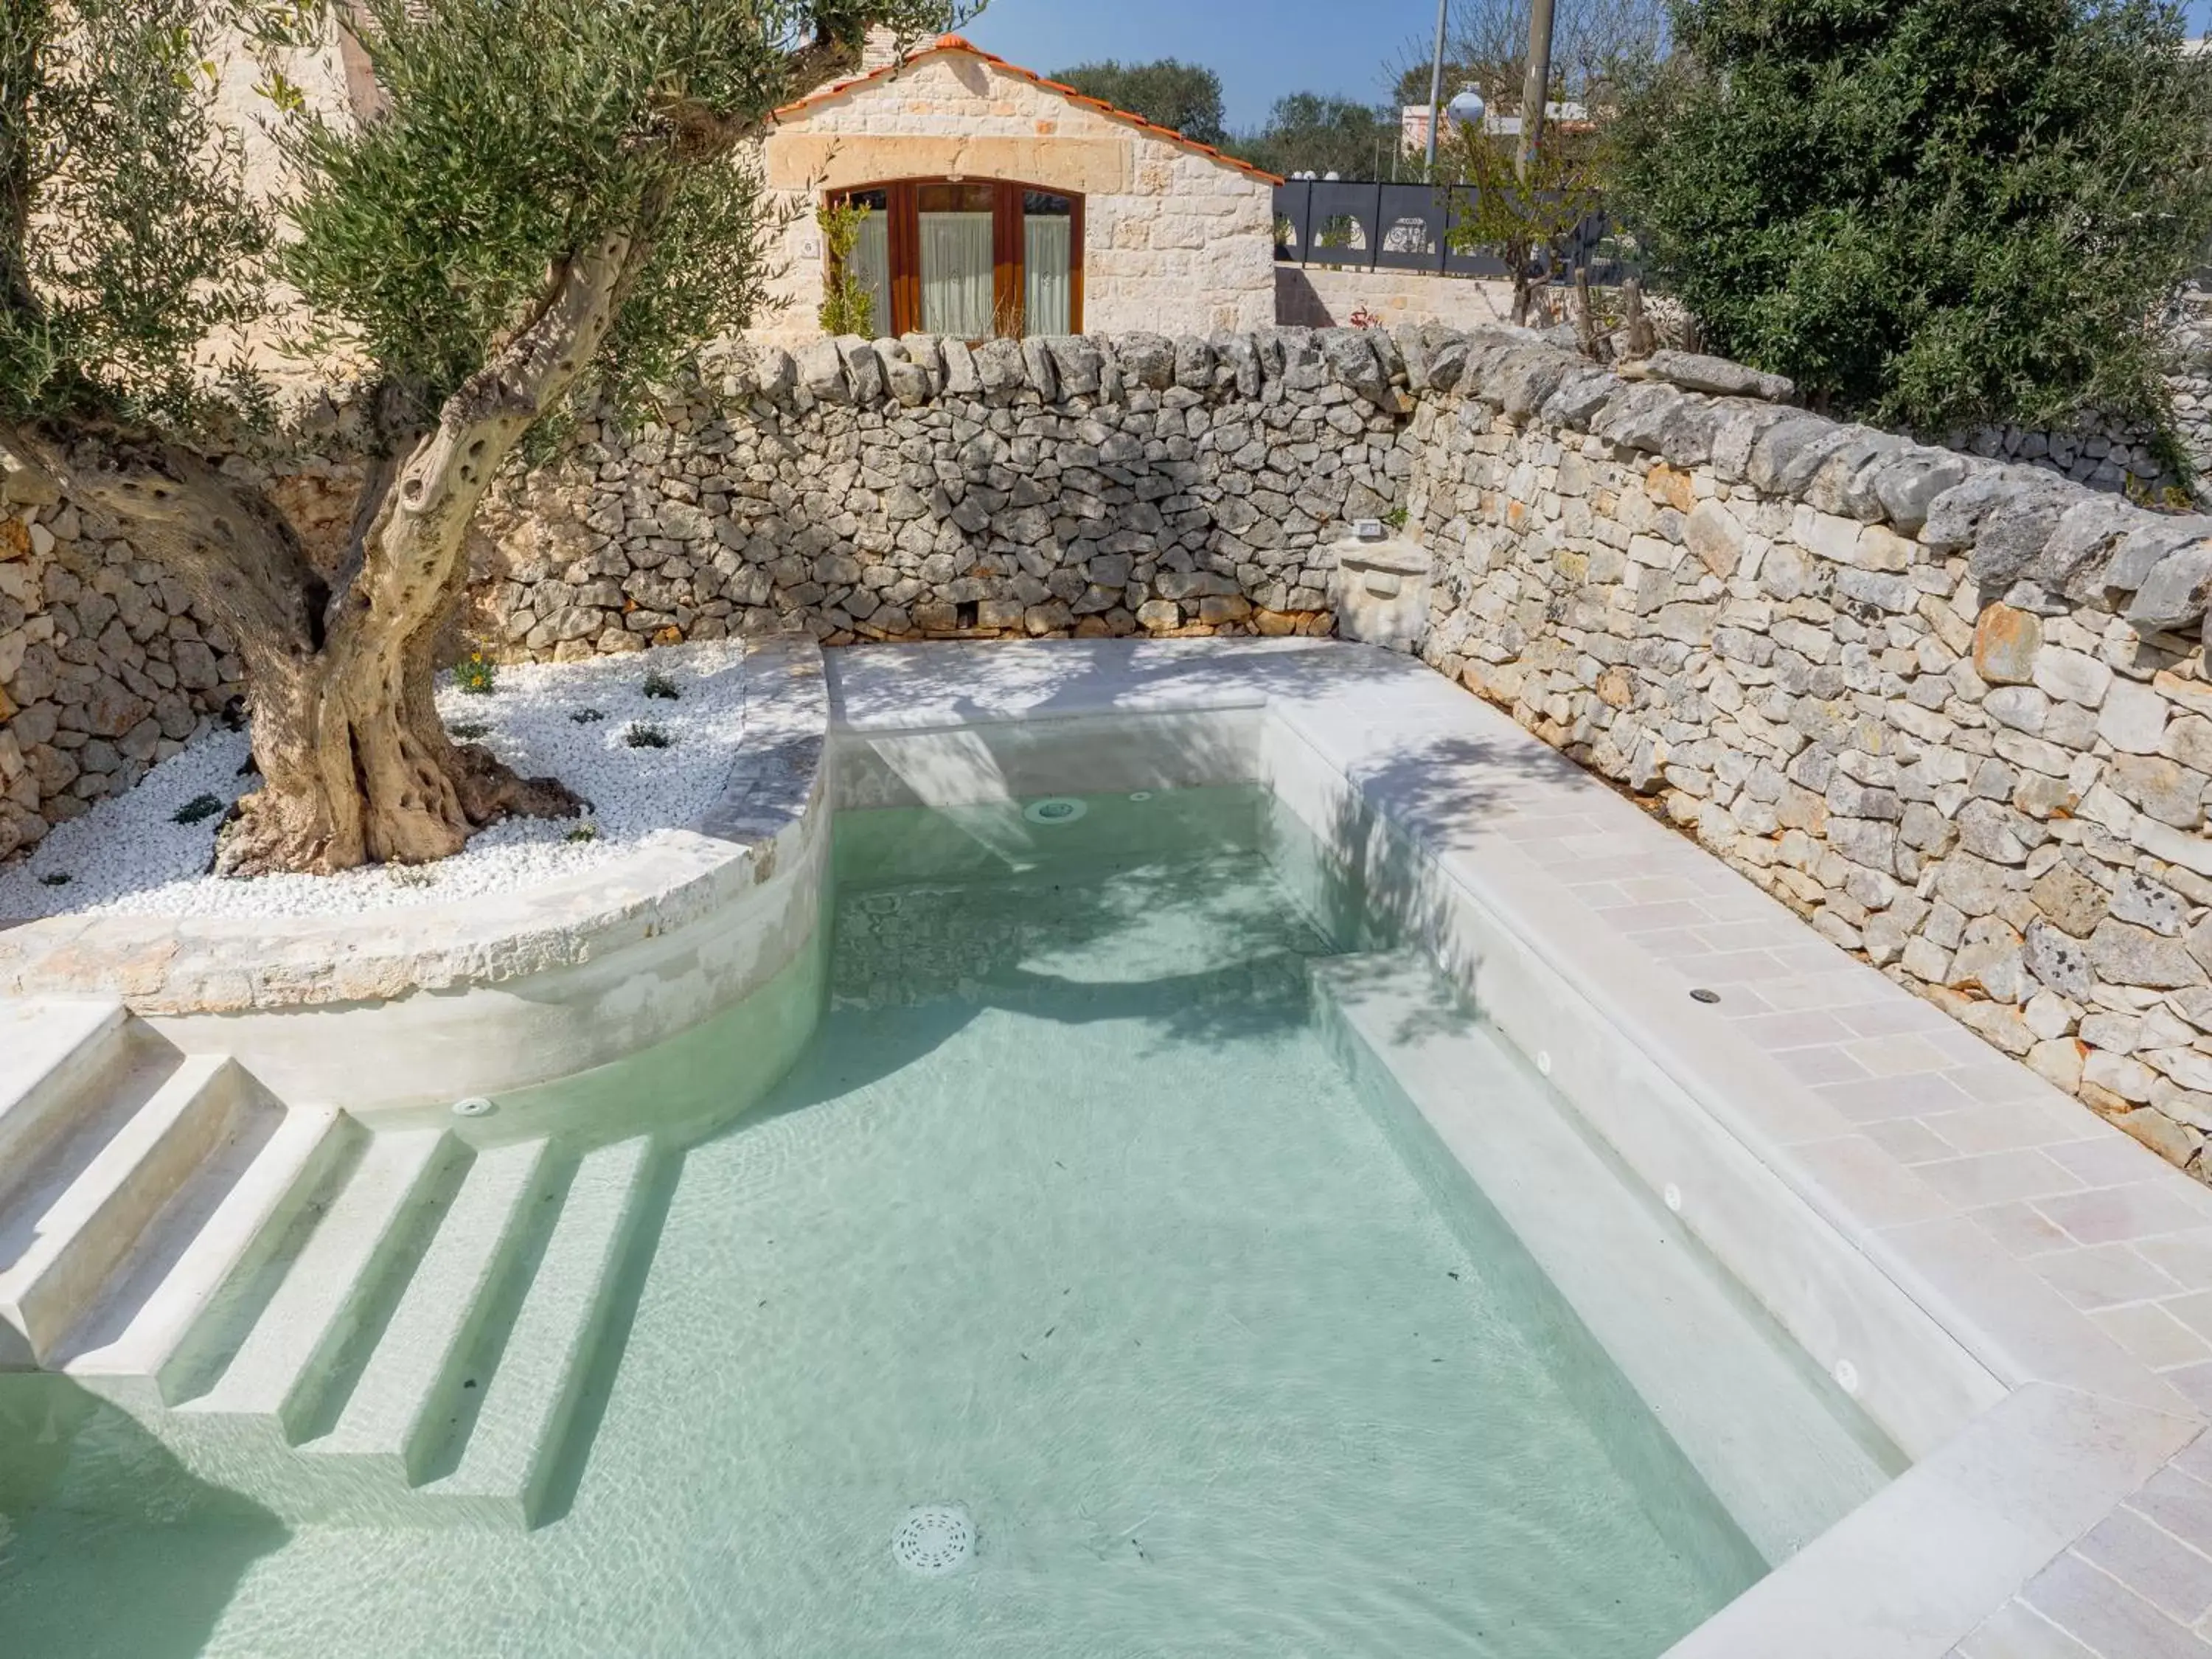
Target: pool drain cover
point(934, 1540)
point(1058, 810)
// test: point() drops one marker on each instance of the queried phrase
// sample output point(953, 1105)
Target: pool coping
point(223, 965)
point(2070, 1261)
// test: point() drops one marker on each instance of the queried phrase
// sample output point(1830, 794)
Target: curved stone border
point(188, 966)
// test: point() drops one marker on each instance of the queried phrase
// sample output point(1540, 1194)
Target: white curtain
point(872, 264)
point(1048, 247)
point(956, 275)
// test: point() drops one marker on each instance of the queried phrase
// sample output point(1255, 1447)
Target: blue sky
point(1261, 49)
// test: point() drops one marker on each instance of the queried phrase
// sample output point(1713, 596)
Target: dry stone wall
point(904, 488)
point(104, 669)
point(1954, 712)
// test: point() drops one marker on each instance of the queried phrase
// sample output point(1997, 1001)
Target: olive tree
point(554, 199)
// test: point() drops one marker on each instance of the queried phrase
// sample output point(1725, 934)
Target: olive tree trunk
point(355, 765)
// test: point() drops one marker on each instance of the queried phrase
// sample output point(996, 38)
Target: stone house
point(1002, 203)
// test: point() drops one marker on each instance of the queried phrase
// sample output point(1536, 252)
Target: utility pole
point(1436, 79)
point(1536, 89)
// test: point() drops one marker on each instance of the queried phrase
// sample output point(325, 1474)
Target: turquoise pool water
point(1069, 1216)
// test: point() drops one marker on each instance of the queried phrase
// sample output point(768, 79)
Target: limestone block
point(2132, 718)
point(1379, 593)
point(2073, 676)
point(2125, 954)
point(2007, 643)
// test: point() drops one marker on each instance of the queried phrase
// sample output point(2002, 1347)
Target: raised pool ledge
point(407, 1006)
point(2010, 1287)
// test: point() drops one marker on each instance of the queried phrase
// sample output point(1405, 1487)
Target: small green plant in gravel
point(585, 716)
point(477, 674)
point(468, 731)
point(199, 807)
point(58, 878)
point(658, 684)
point(583, 832)
point(643, 734)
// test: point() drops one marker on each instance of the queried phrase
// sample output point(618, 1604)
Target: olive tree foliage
point(1931, 213)
point(145, 246)
point(554, 200)
point(1528, 217)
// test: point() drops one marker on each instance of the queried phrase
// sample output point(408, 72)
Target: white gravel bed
point(129, 856)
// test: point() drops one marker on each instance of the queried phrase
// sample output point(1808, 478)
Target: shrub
point(198, 809)
point(847, 305)
point(477, 674)
point(1932, 213)
point(587, 716)
point(583, 832)
point(644, 735)
point(57, 879)
point(468, 731)
point(658, 684)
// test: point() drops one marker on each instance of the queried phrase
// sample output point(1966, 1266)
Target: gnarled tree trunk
point(355, 765)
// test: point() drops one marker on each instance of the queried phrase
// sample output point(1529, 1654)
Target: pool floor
point(1067, 1217)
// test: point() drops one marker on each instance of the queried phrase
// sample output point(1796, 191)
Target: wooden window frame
point(1009, 275)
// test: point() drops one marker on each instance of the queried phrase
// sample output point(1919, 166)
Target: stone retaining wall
point(1953, 712)
point(1077, 486)
point(105, 670)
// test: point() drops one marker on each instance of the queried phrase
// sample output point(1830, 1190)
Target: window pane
point(956, 271)
point(1042, 203)
point(871, 263)
point(1047, 251)
point(955, 198)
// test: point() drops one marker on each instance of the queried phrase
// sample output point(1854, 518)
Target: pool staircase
point(337, 1324)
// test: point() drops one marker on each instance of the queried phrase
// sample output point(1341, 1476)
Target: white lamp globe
point(1467, 107)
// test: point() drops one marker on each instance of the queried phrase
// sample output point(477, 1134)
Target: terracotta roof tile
point(957, 43)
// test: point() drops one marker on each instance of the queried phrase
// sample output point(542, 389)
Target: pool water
point(1070, 1219)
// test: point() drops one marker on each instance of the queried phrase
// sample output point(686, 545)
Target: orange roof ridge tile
point(957, 43)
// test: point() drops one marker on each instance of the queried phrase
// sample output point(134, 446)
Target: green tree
point(1526, 221)
point(554, 202)
point(1309, 132)
point(1168, 92)
point(1933, 213)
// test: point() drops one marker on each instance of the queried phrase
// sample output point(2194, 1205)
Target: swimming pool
point(1437, 1276)
point(1084, 1213)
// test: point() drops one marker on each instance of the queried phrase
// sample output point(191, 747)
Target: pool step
point(396, 1408)
point(349, 1324)
point(142, 1331)
point(54, 1056)
point(515, 1446)
point(280, 1370)
point(72, 1229)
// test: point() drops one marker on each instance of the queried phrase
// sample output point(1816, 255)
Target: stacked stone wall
point(899, 490)
point(1953, 712)
point(105, 668)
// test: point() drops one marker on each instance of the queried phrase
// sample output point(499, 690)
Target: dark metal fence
point(1372, 226)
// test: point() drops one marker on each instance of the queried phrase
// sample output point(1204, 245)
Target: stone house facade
point(1070, 216)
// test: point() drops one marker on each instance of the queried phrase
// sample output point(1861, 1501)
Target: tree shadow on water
point(109, 1548)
